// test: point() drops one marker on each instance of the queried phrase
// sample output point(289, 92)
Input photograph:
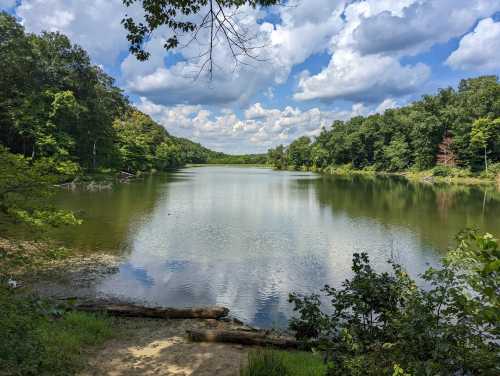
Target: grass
point(38, 339)
point(283, 363)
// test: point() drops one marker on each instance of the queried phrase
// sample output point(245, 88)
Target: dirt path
point(160, 347)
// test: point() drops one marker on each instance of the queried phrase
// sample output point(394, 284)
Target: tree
point(214, 21)
point(397, 154)
point(298, 152)
point(277, 158)
point(484, 134)
point(435, 129)
point(58, 109)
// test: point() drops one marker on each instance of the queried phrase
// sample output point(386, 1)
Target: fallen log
point(132, 310)
point(241, 338)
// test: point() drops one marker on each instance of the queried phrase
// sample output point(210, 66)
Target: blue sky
point(324, 60)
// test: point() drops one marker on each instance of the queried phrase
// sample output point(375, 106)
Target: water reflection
point(245, 238)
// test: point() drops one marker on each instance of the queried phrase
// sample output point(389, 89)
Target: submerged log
point(132, 310)
point(241, 338)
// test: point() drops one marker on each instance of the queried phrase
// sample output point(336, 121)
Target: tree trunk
point(94, 155)
point(242, 338)
point(485, 160)
point(131, 310)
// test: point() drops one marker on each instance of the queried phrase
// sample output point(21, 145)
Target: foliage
point(24, 192)
point(384, 324)
point(409, 137)
point(485, 136)
point(67, 115)
point(446, 171)
point(281, 363)
point(247, 159)
point(38, 339)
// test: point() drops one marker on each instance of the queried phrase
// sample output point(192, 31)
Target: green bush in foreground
point(37, 339)
point(282, 363)
point(384, 324)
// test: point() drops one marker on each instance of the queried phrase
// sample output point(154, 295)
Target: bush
point(442, 171)
point(446, 171)
point(282, 363)
point(383, 324)
point(493, 171)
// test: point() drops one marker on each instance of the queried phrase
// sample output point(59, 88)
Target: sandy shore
point(161, 347)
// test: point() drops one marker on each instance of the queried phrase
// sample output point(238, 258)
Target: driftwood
point(131, 310)
point(242, 338)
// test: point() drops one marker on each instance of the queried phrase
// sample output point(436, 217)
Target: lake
point(245, 237)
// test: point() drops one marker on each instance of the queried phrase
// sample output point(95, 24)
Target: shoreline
point(424, 177)
point(130, 344)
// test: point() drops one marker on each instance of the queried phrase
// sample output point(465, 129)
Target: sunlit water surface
point(246, 237)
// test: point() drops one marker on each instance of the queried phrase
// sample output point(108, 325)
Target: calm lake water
point(246, 237)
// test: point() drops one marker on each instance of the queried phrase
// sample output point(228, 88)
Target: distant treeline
point(57, 107)
point(251, 159)
point(454, 128)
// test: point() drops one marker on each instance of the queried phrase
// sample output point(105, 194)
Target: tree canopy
point(61, 116)
point(57, 106)
point(462, 123)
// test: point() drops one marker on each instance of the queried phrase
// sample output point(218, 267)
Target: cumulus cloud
point(386, 104)
point(93, 24)
point(478, 50)
point(367, 78)
point(418, 25)
point(303, 31)
point(366, 52)
point(365, 42)
point(361, 33)
point(255, 130)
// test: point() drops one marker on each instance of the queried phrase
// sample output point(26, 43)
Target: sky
point(318, 61)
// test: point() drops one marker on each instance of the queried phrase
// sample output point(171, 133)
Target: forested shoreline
point(452, 133)
point(59, 108)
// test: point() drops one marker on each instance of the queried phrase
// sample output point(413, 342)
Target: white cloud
point(258, 129)
point(364, 39)
point(418, 25)
point(365, 63)
point(93, 24)
point(386, 104)
point(478, 50)
point(301, 33)
point(367, 78)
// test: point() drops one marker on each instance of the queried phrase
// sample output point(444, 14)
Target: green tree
point(397, 154)
point(298, 152)
point(485, 137)
point(277, 157)
point(410, 136)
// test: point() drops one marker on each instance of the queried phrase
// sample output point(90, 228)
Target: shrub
point(446, 171)
point(382, 323)
point(493, 171)
point(442, 171)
